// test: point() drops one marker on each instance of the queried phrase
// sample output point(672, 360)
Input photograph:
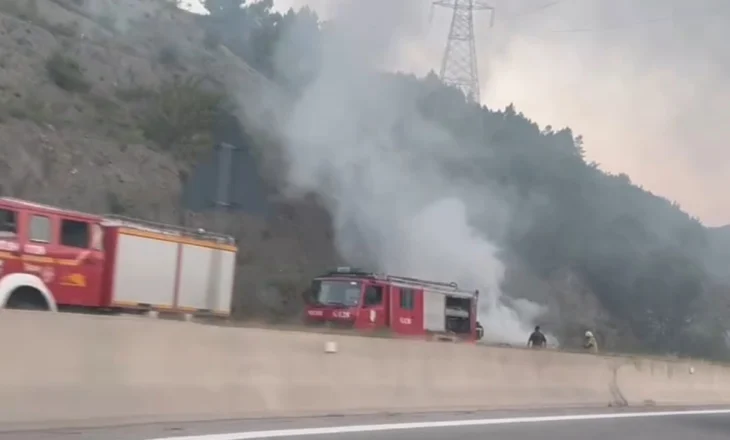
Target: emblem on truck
point(74, 280)
point(343, 314)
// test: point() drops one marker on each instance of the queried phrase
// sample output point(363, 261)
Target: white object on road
point(330, 347)
point(691, 370)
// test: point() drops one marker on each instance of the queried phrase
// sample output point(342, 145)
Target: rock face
point(79, 82)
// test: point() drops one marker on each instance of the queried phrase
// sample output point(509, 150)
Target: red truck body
point(407, 307)
point(52, 258)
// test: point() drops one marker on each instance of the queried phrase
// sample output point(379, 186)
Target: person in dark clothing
point(537, 339)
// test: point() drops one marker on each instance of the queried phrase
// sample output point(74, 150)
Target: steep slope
point(719, 259)
point(79, 87)
point(722, 233)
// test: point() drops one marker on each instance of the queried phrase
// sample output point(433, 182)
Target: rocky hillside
point(106, 106)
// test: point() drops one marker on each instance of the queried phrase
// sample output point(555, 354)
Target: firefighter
point(537, 339)
point(589, 342)
point(480, 331)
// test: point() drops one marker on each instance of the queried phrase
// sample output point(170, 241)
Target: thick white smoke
point(394, 209)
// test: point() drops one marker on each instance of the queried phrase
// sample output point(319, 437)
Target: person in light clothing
point(589, 342)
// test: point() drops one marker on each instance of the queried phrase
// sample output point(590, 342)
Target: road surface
point(621, 424)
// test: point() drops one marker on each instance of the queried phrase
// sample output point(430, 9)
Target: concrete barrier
point(60, 369)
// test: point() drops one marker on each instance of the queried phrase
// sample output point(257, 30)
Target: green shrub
point(67, 74)
point(181, 111)
point(169, 55)
point(212, 39)
point(115, 204)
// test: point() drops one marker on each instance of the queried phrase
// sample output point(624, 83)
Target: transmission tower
point(459, 64)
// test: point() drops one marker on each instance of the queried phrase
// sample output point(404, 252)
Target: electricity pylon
point(459, 64)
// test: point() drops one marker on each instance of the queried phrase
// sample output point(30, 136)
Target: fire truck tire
point(27, 298)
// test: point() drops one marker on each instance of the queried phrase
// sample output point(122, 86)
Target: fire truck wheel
point(26, 298)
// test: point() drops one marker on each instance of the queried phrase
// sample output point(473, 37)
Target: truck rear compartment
point(169, 273)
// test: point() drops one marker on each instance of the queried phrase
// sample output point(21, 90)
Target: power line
point(617, 27)
point(530, 11)
point(673, 17)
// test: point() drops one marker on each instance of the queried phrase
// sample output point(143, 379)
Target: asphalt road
point(623, 424)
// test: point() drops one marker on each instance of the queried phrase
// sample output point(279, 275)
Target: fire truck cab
point(406, 306)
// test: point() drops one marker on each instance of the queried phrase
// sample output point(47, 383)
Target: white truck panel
point(227, 277)
point(206, 278)
point(194, 276)
point(144, 271)
point(434, 307)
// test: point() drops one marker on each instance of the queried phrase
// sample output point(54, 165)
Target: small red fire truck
point(406, 306)
point(55, 259)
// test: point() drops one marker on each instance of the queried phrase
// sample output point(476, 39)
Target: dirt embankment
point(106, 106)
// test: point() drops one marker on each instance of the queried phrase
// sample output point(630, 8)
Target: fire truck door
point(372, 312)
point(78, 278)
point(405, 319)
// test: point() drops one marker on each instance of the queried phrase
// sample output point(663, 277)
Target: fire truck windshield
point(336, 292)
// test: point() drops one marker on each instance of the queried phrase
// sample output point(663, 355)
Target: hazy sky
point(644, 82)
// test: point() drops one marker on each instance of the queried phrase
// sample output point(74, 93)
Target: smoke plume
point(644, 82)
point(356, 139)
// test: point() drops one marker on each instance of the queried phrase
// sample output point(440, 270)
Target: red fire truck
point(406, 306)
point(56, 259)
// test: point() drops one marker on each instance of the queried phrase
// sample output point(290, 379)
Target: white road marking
point(247, 435)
